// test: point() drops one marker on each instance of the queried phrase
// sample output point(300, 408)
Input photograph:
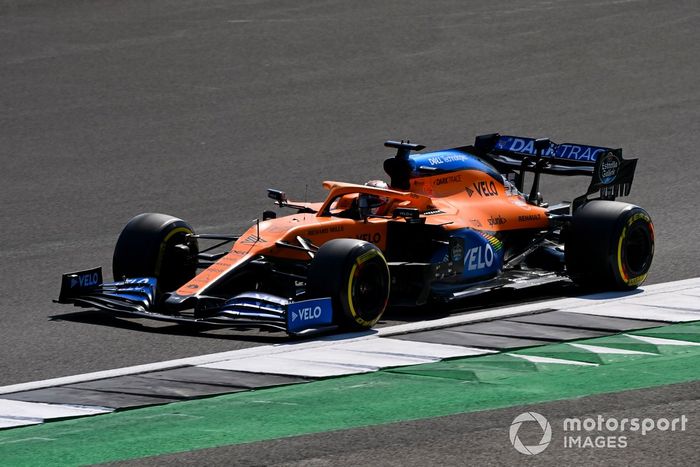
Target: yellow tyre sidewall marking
point(620, 267)
point(641, 278)
point(358, 262)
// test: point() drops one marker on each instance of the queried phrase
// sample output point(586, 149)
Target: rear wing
point(611, 174)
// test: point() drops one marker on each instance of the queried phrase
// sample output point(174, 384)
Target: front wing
point(139, 298)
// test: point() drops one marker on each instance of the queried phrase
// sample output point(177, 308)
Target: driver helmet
point(376, 204)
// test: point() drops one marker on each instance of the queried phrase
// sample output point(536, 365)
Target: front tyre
point(355, 275)
point(156, 245)
point(609, 245)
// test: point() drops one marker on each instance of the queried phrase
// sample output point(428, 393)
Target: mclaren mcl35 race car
point(449, 224)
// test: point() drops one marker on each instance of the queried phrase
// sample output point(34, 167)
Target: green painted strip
point(424, 391)
point(569, 352)
point(490, 368)
point(624, 343)
point(683, 332)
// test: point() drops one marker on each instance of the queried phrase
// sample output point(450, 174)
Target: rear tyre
point(156, 245)
point(355, 275)
point(609, 246)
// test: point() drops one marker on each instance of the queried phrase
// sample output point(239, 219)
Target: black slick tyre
point(609, 245)
point(355, 274)
point(156, 245)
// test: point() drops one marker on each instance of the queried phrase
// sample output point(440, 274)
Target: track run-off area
point(597, 344)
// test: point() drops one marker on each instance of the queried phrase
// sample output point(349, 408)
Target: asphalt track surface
point(481, 438)
point(193, 108)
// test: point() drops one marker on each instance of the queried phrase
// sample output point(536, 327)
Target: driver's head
point(375, 204)
point(377, 184)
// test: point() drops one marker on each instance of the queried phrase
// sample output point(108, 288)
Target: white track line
point(662, 341)
point(597, 349)
point(190, 361)
point(283, 366)
point(14, 422)
point(412, 348)
point(348, 358)
point(19, 413)
point(686, 288)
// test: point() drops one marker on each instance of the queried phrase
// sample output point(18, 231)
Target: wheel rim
point(638, 249)
point(176, 267)
point(369, 291)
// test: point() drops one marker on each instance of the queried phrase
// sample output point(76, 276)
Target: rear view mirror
point(363, 206)
point(277, 195)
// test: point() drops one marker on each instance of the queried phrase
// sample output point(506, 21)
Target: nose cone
point(172, 302)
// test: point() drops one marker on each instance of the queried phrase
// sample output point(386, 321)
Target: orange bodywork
point(455, 200)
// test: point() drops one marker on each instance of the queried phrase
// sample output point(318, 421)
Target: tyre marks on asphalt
point(516, 331)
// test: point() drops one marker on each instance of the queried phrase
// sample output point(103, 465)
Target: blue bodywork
point(137, 290)
point(309, 314)
point(482, 255)
point(448, 161)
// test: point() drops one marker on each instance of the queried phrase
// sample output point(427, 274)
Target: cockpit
point(360, 201)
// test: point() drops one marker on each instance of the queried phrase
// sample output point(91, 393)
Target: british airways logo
point(576, 152)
